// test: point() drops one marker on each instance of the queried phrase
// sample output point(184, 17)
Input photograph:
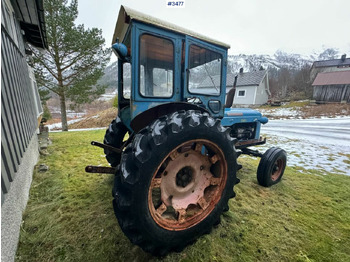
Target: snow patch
point(321, 144)
point(59, 125)
point(290, 113)
point(310, 156)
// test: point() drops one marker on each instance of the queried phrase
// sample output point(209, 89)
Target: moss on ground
point(69, 216)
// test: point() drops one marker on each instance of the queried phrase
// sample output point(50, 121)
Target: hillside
point(110, 77)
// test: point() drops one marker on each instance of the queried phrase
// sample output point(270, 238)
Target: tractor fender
point(148, 116)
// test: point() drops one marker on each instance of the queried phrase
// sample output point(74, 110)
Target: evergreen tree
point(75, 58)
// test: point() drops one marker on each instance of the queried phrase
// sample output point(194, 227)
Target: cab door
point(205, 75)
point(156, 68)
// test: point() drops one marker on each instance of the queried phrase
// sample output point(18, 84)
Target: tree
point(44, 96)
point(328, 54)
point(302, 81)
point(75, 58)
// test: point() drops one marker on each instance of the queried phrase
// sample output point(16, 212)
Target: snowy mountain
point(277, 61)
point(110, 78)
point(249, 63)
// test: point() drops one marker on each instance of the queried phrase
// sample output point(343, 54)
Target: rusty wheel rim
point(277, 169)
point(187, 185)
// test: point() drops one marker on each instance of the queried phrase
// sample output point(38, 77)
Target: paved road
point(330, 131)
point(321, 144)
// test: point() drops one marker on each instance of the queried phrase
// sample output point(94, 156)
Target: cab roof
point(126, 15)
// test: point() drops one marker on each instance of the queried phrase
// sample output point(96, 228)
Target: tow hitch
point(103, 169)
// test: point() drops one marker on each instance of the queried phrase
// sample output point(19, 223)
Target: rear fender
point(148, 116)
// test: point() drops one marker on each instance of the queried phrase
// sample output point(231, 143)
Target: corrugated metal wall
point(19, 109)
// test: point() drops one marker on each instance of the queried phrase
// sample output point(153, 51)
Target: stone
point(43, 168)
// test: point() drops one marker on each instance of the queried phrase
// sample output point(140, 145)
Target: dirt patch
point(85, 110)
point(304, 110)
point(326, 110)
point(101, 119)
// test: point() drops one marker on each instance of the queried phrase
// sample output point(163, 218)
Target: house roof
point(127, 14)
point(333, 62)
point(30, 13)
point(332, 78)
point(244, 79)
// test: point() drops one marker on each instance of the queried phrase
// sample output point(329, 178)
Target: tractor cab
point(163, 68)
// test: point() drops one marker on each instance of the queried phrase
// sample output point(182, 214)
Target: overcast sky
point(249, 26)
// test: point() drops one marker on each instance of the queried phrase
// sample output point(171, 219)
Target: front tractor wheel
point(271, 166)
point(175, 180)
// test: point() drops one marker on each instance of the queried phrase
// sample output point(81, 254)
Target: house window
point(241, 93)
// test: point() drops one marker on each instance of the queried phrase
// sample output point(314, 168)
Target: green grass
point(69, 216)
point(292, 104)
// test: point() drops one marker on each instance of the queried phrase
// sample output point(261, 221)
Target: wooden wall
point(332, 93)
point(19, 109)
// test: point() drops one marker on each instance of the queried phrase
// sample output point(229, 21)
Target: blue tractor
point(175, 142)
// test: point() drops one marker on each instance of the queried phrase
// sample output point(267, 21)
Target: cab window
point(156, 66)
point(204, 71)
point(126, 80)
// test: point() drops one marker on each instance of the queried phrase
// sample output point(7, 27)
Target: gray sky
point(249, 26)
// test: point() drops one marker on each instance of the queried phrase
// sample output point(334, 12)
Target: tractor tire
point(174, 181)
point(114, 137)
point(271, 166)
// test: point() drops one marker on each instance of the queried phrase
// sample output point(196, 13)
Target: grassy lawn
point(69, 216)
point(292, 104)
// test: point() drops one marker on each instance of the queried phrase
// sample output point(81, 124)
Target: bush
point(115, 101)
point(46, 113)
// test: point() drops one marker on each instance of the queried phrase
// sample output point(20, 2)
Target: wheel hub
point(187, 185)
point(184, 176)
point(185, 182)
point(277, 169)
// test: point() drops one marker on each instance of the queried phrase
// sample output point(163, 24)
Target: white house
point(252, 88)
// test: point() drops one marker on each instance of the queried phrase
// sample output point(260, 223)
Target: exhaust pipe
point(231, 94)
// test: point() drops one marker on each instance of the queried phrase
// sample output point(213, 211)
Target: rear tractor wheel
point(114, 137)
point(271, 166)
point(175, 180)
